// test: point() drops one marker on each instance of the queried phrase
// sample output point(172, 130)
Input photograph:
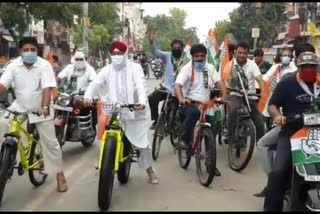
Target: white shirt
point(251, 71)
point(28, 84)
point(284, 70)
point(196, 90)
point(83, 77)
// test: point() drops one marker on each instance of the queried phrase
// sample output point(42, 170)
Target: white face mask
point(119, 61)
point(80, 65)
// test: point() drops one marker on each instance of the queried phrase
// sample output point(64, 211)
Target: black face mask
point(176, 53)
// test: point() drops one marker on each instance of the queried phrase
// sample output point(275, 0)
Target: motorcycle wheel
point(88, 142)
point(107, 172)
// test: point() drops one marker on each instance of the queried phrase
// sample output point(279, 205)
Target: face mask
point(119, 60)
point(308, 75)
point(80, 65)
point(29, 57)
point(199, 65)
point(176, 53)
point(285, 60)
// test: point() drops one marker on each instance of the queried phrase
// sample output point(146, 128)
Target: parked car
point(7, 98)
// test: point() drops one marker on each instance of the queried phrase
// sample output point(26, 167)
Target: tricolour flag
point(212, 46)
point(224, 58)
point(305, 145)
point(186, 56)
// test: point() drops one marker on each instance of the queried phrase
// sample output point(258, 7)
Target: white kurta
point(135, 128)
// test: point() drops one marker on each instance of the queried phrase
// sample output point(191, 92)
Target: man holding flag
point(173, 61)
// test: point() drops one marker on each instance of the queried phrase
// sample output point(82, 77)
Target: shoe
point(182, 145)
point(61, 183)
point(153, 178)
point(262, 193)
point(153, 126)
point(217, 172)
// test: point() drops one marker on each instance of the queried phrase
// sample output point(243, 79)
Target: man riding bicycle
point(173, 62)
point(193, 84)
point(249, 72)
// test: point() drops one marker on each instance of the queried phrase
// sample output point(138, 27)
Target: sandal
point(61, 184)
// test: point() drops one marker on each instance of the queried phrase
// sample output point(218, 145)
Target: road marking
point(50, 189)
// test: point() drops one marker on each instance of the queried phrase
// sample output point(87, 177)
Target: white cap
point(79, 55)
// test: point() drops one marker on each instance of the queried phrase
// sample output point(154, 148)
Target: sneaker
point(217, 172)
point(153, 178)
point(262, 193)
point(152, 127)
point(182, 145)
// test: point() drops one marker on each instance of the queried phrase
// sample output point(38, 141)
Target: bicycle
point(31, 156)
point(112, 155)
point(239, 154)
point(163, 126)
point(202, 139)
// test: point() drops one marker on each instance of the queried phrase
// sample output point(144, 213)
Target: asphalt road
point(178, 190)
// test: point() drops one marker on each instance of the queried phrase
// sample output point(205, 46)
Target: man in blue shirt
point(173, 63)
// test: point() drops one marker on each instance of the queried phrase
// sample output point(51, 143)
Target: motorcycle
point(304, 194)
point(72, 121)
point(156, 68)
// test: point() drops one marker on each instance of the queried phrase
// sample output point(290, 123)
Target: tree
point(168, 28)
point(269, 19)
point(16, 16)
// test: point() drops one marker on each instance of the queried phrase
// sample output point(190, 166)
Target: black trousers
point(155, 98)
point(280, 177)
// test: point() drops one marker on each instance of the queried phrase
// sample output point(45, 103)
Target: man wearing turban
point(124, 82)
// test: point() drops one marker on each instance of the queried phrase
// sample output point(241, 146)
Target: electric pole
point(85, 18)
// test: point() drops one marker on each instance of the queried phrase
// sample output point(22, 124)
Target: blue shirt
point(166, 58)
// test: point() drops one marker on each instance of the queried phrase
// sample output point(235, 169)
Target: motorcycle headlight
point(63, 99)
point(311, 119)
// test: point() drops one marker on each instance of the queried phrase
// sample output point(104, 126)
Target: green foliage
point(168, 28)
point(270, 19)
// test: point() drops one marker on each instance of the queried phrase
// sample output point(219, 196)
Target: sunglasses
point(79, 59)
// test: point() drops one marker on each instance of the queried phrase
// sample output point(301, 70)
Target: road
point(178, 190)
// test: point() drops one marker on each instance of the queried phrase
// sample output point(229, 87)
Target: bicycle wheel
point(107, 173)
point(36, 175)
point(206, 156)
point(184, 157)
point(158, 136)
point(174, 134)
point(239, 154)
point(124, 170)
point(6, 167)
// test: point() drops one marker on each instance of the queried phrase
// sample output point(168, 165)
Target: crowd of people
point(124, 82)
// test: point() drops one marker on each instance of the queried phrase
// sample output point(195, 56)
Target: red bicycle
point(203, 146)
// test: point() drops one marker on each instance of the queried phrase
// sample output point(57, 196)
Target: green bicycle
point(115, 156)
point(30, 156)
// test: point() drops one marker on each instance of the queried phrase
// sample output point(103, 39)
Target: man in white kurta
point(33, 77)
point(123, 80)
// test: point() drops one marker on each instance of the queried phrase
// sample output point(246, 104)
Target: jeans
point(280, 176)
point(189, 117)
point(256, 116)
point(269, 140)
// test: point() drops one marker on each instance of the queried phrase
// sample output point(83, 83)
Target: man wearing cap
point(124, 82)
point(295, 94)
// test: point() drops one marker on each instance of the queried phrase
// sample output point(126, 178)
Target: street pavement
point(178, 190)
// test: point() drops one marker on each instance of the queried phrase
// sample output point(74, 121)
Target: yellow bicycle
point(30, 156)
point(115, 155)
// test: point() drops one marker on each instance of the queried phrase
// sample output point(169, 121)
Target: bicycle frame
point(120, 146)
point(16, 130)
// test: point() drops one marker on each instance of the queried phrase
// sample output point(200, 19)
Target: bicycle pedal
point(133, 160)
point(136, 153)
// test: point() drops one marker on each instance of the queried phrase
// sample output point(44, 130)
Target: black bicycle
point(164, 126)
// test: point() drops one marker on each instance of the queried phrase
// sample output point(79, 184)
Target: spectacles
point(79, 59)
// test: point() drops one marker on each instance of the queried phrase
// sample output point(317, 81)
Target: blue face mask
point(29, 57)
point(285, 60)
point(199, 65)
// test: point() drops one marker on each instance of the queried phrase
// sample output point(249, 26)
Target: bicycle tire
point(238, 167)
point(124, 170)
point(107, 172)
point(34, 155)
point(184, 157)
point(211, 156)
point(174, 135)
point(7, 164)
point(158, 136)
